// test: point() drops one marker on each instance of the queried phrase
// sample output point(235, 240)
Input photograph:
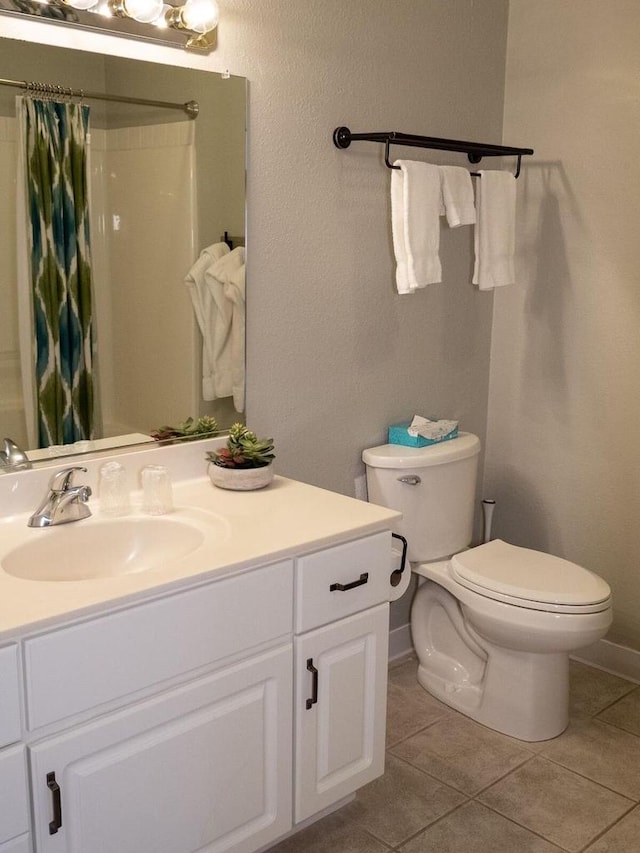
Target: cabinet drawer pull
point(314, 684)
point(342, 587)
point(53, 786)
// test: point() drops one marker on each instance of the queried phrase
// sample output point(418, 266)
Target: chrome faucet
point(63, 502)
point(13, 457)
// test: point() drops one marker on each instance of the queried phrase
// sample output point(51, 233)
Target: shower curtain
point(55, 138)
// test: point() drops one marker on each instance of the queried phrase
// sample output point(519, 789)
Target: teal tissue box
point(399, 434)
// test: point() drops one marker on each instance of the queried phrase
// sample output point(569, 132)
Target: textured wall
point(564, 403)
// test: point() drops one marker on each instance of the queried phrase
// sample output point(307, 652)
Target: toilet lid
point(522, 573)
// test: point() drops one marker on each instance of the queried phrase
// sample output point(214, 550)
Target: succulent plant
point(205, 425)
point(244, 450)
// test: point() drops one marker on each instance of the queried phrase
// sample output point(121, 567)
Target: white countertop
point(285, 519)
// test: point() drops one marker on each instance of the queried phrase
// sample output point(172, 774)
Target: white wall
point(564, 411)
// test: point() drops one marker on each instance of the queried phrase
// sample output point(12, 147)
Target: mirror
point(162, 188)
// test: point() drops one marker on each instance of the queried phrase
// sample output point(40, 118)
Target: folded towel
point(415, 225)
point(494, 236)
point(434, 430)
point(457, 196)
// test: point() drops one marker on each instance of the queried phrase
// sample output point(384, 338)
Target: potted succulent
point(245, 462)
point(191, 428)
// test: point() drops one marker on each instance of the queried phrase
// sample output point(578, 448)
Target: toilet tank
point(433, 487)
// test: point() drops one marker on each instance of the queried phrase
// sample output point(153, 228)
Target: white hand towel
point(415, 224)
point(457, 196)
point(494, 235)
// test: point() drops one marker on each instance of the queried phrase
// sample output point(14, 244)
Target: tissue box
point(399, 434)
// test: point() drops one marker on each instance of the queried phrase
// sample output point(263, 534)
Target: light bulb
point(161, 22)
point(143, 11)
point(200, 16)
point(81, 4)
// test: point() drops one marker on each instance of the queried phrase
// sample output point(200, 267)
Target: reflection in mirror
point(156, 297)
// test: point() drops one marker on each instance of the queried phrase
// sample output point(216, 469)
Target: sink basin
point(97, 548)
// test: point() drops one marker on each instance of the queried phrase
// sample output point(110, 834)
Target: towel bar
point(475, 151)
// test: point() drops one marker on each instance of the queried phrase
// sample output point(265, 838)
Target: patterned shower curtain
point(58, 213)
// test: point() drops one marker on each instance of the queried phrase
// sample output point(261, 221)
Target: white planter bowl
point(240, 479)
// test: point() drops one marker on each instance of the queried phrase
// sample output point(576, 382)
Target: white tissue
point(431, 429)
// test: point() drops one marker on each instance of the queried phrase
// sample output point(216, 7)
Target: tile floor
point(453, 786)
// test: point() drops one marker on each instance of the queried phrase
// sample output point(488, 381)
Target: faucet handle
point(61, 481)
point(13, 456)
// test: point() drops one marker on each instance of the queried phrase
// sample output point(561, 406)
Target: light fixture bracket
point(57, 12)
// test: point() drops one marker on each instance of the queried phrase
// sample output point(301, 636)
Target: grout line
point(606, 829)
point(590, 779)
point(433, 822)
point(523, 826)
point(616, 727)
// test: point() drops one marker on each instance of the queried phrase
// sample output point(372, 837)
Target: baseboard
point(400, 643)
point(613, 658)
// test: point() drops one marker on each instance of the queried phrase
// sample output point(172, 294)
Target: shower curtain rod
point(191, 108)
point(475, 151)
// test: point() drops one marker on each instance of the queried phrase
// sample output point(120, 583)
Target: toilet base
point(525, 696)
point(519, 693)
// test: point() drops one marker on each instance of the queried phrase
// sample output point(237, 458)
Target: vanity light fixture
point(190, 23)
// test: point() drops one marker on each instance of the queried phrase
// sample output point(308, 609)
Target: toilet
point(493, 625)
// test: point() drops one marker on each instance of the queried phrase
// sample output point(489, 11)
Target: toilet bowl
point(499, 651)
point(492, 626)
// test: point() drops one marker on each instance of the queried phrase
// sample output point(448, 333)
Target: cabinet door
point(205, 767)
point(341, 690)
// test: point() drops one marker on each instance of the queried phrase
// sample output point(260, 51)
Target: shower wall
point(143, 236)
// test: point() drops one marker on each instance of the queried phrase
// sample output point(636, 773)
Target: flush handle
point(53, 786)
point(410, 479)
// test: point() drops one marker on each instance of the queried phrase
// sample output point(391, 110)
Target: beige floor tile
point(608, 755)
point(564, 808)
point(625, 714)
point(401, 803)
point(462, 753)
point(409, 706)
point(473, 828)
point(624, 837)
point(333, 834)
point(591, 690)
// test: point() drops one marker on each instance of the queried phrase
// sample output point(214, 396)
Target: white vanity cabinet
point(341, 670)
point(207, 719)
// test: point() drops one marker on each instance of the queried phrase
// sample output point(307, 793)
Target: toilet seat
point(531, 579)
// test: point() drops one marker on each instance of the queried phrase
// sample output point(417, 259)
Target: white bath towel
point(457, 196)
point(204, 307)
point(494, 236)
point(415, 224)
point(225, 280)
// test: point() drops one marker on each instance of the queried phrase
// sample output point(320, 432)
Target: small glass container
point(157, 495)
point(113, 490)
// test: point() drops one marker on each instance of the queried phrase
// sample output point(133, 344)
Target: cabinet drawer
point(81, 667)
point(9, 696)
point(361, 568)
point(14, 809)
